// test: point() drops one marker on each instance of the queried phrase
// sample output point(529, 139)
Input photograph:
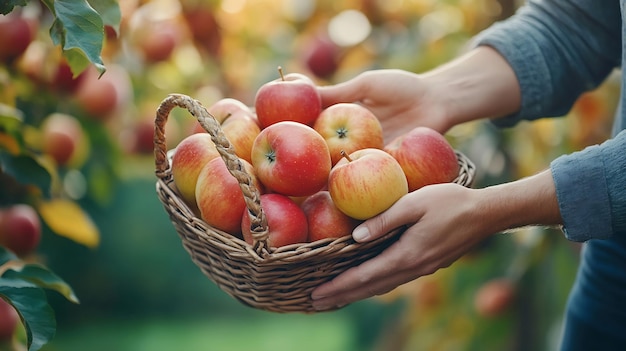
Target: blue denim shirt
point(558, 50)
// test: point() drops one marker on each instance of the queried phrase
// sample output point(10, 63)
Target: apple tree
point(44, 152)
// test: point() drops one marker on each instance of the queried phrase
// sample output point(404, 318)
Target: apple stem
point(280, 71)
point(345, 154)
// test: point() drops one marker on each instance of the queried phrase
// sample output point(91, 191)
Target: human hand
point(442, 226)
point(399, 99)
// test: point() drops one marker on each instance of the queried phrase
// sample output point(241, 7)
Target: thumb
point(348, 91)
point(379, 225)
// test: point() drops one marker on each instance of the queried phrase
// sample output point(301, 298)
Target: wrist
point(528, 201)
point(479, 84)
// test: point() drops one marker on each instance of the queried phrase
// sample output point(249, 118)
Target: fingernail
point(361, 233)
point(315, 296)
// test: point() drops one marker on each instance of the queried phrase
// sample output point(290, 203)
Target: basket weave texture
point(266, 278)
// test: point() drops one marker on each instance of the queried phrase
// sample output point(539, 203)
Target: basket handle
point(252, 197)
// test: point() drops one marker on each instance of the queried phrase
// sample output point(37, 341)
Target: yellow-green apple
point(366, 183)
point(190, 156)
point(219, 197)
point(285, 219)
point(20, 229)
point(292, 97)
point(61, 137)
point(425, 156)
point(325, 220)
point(291, 158)
point(8, 321)
point(238, 123)
point(349, 127)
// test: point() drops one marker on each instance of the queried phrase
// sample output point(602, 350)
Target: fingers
point(374, 277)
point(353, 90)
point(399, 214)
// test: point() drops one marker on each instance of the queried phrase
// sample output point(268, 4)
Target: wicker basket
point(272, 279)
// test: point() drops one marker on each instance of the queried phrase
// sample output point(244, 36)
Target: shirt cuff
point(583, 194)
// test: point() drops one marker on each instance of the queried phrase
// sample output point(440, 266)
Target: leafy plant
point(28, 178)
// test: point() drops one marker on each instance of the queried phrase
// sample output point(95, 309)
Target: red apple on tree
point(292, 97)
point(8, 321)
point(425, 156)
point(286, 221)
point(366, 183)
point(190, 156)
point(61, 137)
point(291, 158)
point(204, 27)
point(349, 127)
point(16, 33)
point(494, 297)
point(322, 56)
point(99, 96)
point(20, 229)
point(219, 197)
point(325, 220)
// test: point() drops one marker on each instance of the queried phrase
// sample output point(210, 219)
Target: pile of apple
point(320, 172)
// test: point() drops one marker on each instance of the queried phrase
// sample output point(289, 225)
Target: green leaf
point(34, 310)
point(6, 256)
point(10, 118)
point(8, 5)
point(42, 277)
point(27, 170)
point(79, 29)
point(110, 12)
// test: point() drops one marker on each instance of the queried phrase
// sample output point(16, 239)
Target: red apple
point(425, 156)
point(239, 124)
point(8, 320)
point(20, 229)
point(494, 297)
point(219, 197)
point(203, 26)
point(289, 98)
point(158, 41)
point(322, 56)
point(241, 130)
point(285, 219)
point(325, 220)
point(99, 96)
point(190, 156)
point(291, 158)
point(366, 183)
point(63, 79)
point(61, 137)
point(16, 33)
point(226, 107)
point(349, 127)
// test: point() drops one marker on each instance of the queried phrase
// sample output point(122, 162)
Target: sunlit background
point(139, 289)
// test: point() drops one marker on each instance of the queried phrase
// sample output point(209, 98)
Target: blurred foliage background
point(138, 288)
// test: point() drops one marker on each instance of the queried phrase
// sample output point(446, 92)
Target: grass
point(272, 333)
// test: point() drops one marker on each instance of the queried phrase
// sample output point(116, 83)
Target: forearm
point(528, 201)
point(479, 84)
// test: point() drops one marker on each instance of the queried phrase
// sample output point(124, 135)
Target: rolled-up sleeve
point(591, 190)
point(557, 49)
